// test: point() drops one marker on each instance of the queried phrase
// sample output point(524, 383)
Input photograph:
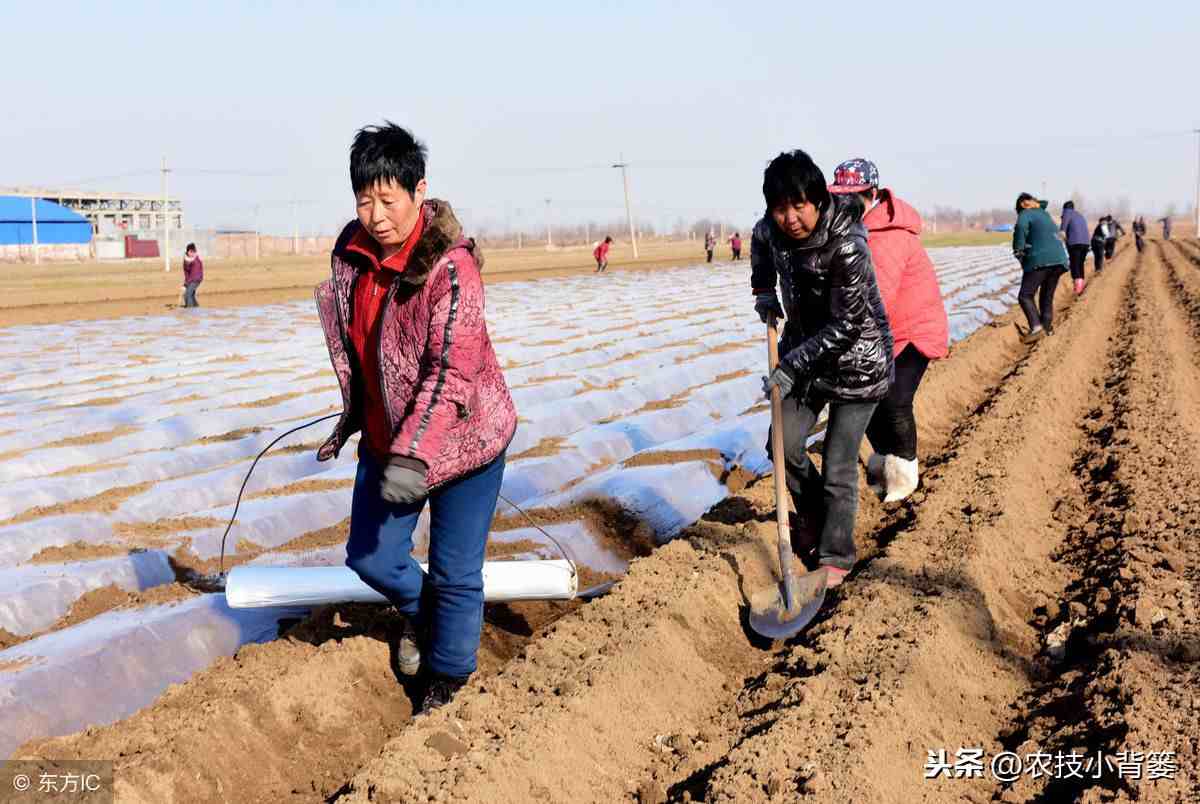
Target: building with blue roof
point(56, 225)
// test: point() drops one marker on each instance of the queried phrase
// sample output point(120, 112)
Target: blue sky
point(958, 103)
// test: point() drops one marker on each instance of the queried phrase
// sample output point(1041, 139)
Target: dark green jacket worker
point(1035, 240)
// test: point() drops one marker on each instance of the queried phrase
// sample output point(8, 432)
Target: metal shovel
point(783, 610)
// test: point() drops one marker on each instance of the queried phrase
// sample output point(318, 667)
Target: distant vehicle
point(998, 227)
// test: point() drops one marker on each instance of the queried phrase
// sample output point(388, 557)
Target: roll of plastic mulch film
point(503, 581)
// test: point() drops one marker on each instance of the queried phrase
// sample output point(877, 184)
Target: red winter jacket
point(906, 278)
point(601, 251)
point(193, 271)
point(445, 397)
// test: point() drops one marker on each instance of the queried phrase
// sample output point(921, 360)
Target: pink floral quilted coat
point(446, 398)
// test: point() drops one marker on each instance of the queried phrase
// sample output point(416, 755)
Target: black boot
point(439, 691)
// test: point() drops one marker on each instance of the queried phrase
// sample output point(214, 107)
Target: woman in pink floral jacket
point(404, 323)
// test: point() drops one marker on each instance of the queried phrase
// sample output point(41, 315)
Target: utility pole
point(37, 257)
point(1197, 210)
point(166, 220)
point(549, 241)
point(623, 165)
point(587, 233)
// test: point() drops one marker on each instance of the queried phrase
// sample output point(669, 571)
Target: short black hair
point(793, 178)
point(1068, 205)
point(190, 247)
point(386, 153)
point(608, 238)
point(1022, 198)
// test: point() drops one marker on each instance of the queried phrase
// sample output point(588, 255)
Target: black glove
point(767, 303)
point(783, 378)
point(404, 481)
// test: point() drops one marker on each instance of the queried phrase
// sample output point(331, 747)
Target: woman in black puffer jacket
point(836, 347)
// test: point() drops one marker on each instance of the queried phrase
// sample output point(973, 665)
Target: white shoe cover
point(900, 477)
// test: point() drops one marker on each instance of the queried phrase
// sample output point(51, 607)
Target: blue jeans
point(448, 601)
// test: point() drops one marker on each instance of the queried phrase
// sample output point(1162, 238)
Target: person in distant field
point(403, 317)
point(1110, 242)
point(710, 243)
point(1139, 233)
point(836, 348)
point(1075, 228)
point(1043, 260)
point(193, 275)
point(1166, 224)
point(911, 296)
point(735, 245)
point(1099, 236)
point(601, 254)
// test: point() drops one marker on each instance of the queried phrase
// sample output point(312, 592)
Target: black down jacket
point(837, 339)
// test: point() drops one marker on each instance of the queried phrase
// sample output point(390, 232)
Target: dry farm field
point(1038, 595)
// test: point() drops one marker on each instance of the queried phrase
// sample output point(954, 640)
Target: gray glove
point(782, 378)
point(767, 303)
point(404, 481)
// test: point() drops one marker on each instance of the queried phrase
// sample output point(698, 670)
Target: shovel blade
point(773, 617)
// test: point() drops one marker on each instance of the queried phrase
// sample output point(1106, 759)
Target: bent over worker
point(836, 348)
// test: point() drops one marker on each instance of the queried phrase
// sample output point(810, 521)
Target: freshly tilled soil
point(1037, 594)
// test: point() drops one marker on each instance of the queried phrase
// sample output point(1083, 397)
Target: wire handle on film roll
point(246, 479)
point(233, 517)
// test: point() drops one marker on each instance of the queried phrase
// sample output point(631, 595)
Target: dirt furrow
point(656, 691)
point(659, 754)
point(290, 719)
point(1122, 685)
point(931, 643)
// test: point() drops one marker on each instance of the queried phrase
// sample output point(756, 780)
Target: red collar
point(362, 243)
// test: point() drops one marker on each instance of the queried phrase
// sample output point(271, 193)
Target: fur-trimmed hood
point(441, 233)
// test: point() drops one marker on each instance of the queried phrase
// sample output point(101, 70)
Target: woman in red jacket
point(920, 331)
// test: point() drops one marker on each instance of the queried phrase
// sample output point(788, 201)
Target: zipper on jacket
point(383, 390)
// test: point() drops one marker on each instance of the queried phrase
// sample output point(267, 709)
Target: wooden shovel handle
point(781, 490)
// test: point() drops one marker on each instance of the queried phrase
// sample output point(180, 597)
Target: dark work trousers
point(1139, 242)
point(893, 427)
point(1098, 254)
point(737, 253)
point(1078, 254)
point(710, 251)
point(1041, 282)
point(1110, 245)
point(828, 497)
point(448, 600)
point(189, 294)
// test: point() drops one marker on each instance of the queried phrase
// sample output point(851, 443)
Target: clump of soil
point(620, 530)
point(311, 486)
point(87, 469)
point(545, 448)
point(98, 402)
point(78, 551)
point(232, 435)
point(102, 437)
point(104, 502)
point(272, 400)
point(8, 639)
